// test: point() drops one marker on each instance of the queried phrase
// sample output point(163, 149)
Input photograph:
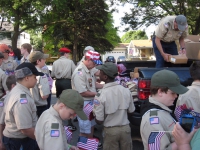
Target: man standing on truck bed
point(169, 29)
point(158, 120)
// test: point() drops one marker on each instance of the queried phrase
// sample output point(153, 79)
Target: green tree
point(87, 23)
point(133, 35)
point(146, 12)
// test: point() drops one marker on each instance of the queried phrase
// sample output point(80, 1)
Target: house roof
point(142, 43)
point(7, 26)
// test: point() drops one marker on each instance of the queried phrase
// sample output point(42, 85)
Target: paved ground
point(135, 131)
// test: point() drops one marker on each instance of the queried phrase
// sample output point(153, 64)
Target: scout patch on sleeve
point(23, 99)
point(79, 69)
point(154, 120)
point(166, 25)
point(96, 102)
point(80, 73)
point(1, 104)
point(22, 95)
point(98, 94)
point(55, 126)
point(55, 133)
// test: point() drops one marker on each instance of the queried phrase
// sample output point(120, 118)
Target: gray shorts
point(85, 125)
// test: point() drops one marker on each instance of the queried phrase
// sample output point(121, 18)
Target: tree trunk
point(15, 35)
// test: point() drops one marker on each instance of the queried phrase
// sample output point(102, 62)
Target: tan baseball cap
point(35, 55)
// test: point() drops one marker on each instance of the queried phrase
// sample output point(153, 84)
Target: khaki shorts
point(85, 125)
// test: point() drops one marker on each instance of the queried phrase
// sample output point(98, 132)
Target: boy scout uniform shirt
point(166, 32)
point(9, 65)
point(63, 68)
point(83, 80)
point(156, 120)
point(23, 59)
point(49, 131)
point(40, 89)
point(191, 98)
point(112, 103)
point(3, 87)
point(20, 112)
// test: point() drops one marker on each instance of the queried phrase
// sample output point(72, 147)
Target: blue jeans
point(15, 144)
point(169, 48)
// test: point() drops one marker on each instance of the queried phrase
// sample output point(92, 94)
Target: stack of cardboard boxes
point(192, 46)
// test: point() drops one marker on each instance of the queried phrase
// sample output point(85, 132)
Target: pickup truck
point(146, 70)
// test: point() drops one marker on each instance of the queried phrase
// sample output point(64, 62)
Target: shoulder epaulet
point(55, 126)
point(154, 113)
point(22, 95)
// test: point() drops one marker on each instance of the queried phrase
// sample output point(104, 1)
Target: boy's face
point(66, 113)
point(31, 81)
point(41, 63)
point(168, 98)
point(23, 50)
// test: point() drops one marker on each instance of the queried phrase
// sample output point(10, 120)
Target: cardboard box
point(193, 50)
point(178, 59)
point(194, 38)
point(134, 75)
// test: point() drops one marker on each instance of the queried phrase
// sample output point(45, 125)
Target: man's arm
point(182, 45)
point(88, 94)
point(29, 132)
point(159, 46)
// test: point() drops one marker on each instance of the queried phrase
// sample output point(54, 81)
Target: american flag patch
point(80, 73)
point(87, 143)
point(88, 110)
point(55, 133)
point(155, 140)
point(154, 120)
point(23, 101)
point(1, 104)
point(68, 133)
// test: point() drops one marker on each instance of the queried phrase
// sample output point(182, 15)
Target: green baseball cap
point(73, 100)
point(36, 55)
point(109, 68)
point(169, 79)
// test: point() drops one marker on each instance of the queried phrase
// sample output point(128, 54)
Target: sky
point(117, 20)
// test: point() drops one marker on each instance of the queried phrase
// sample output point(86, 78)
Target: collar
point(84, 67)
point(197, 83)
point(8, 60)
point(152, 100)
point(25, 89)
point(39, 69)
point(54, 112)
point(63, 57)
point(110, 84)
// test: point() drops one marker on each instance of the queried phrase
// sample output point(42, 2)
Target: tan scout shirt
point(23, 59)
point(191, 98)
point(163, 121)
point(49, 131)
point(9, 64)
point(165, 30)
point(83, 80)
point(20, 112)
point(112, 105)
point(63, 68)
point(40, 89)
point(3, 86)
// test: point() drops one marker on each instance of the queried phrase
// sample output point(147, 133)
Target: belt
point(116, 126)
point(63, 79)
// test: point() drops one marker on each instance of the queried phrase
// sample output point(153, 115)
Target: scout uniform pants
point(15, 144)
point(62, 84)
point(117, 138)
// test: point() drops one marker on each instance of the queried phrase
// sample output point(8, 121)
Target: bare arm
point(159, 46)
point(45, 97)
point(182, 45)
point(29, 132)
point(88, 94)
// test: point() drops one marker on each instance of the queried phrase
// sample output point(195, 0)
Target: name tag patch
point(23, 101)
point(55, 133)
point(96, 102)
point(1, 104)
point(154, 120)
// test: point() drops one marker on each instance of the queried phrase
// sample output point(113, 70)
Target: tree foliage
point(146, 12)
point(133, 35)
point(87, 23)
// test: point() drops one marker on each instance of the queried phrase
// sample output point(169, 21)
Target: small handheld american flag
point(155, 140)
point(88, 110)
point(87, 143)
point(68, 133)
